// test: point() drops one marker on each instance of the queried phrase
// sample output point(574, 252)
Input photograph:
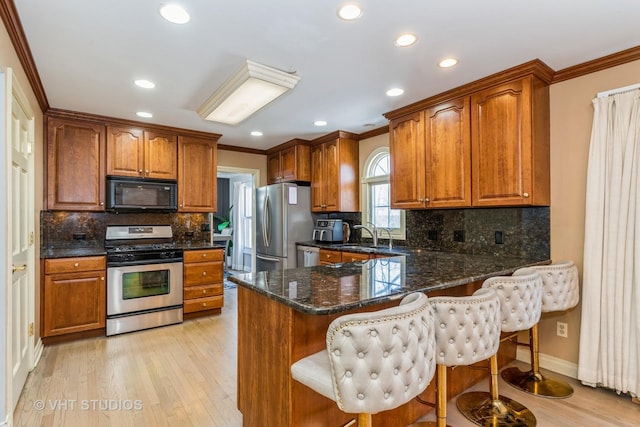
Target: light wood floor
point(185, 375)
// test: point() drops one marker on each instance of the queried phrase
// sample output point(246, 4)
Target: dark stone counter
point(83, 251)
point(340, 287)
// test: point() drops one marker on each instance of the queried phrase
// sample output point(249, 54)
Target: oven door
point(132, 288)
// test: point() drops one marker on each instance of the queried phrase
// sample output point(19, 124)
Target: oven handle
point(144, 262)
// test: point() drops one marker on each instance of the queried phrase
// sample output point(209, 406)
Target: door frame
point(255, 173)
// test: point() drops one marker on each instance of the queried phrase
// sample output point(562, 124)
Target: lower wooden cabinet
point(328, 256)
point(74, 295)
point(203, 280)
point(355, 256)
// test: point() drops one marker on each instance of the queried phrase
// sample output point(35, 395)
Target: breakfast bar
point(283, 316)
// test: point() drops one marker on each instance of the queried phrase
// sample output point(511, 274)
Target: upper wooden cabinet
point(335, 185)
point(197, 174)
point(289, 162)
point(75, 165)
point(430, 157)
point(141, 153)
point(484, 144)
point(510, 144)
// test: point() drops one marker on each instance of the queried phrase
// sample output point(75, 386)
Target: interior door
point(21, 131)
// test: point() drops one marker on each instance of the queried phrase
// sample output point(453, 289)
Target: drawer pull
point(204, 255)
point(102, 278)
point(204, 304)
point(204, 273)
point(77, 264)
point(204, 291)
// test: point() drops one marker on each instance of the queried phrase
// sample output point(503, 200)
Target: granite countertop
point(340, 287)
point(84, 251)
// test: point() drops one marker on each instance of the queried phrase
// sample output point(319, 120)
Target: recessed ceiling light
point(447, 62)
point(145, 83)
point(256, 133)
point(349, 12)
point(406, 40)
point(396, 91)
point(144, 114)
point(320, 123)
point(174, 13)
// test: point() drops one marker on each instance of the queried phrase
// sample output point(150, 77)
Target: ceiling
point(88, 53)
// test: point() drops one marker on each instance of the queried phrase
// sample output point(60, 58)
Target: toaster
point(328, 230)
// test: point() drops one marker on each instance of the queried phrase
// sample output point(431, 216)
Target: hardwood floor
point(185, 375)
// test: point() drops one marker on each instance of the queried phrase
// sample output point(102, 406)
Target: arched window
point(376, 199)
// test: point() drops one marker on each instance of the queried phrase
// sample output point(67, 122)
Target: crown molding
point(599, 64)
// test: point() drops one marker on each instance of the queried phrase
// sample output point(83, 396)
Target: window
point(376, 198)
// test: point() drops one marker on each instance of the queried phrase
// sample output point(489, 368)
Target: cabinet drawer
point(354, 256)
point(200, 304)
point(71, 265)
point(203, 255)
point(330, 256)
point(202, 273)
point(202, 291)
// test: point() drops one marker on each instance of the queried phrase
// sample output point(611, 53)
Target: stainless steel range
point(144, 278)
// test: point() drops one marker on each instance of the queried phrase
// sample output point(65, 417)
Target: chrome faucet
point(390, 238)
point(373, 231)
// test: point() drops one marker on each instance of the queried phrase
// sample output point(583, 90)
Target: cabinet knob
point(204, 291)
point(102, 278)
point(420, 200)
point(147, 171)
point(139, 170)
point(525, 195)
point(204, 273)
point(204, 304)
point(77, 264)
point(204, 255)
point(426, 200)
point(180, 204)
point(101, 203)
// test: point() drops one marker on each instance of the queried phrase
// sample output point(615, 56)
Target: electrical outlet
point(562, 329)
point(499, 238)
point(432, 234)
point(458, 235)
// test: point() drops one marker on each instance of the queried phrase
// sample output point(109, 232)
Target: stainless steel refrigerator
point(283, 217)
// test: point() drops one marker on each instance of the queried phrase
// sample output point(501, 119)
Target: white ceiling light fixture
point(320, 123)
point(174, 13)
point(144, 83)
point(251, 88)
point(396, 91)
point(406, 39)
point(256, 133)
point(144, 114)
point(447, 63)
point(349, 12)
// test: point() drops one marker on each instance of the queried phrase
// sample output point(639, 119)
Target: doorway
point(235, 215)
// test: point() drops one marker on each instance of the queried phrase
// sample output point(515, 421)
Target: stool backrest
point(381, 360)
point(560, 286)
point(467, 328)
point(520, 298)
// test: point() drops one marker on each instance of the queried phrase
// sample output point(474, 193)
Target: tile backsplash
point(60, 229)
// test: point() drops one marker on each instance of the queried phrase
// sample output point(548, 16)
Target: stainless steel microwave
point(138, 195)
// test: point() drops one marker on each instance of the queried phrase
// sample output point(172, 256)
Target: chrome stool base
point(480, 409)
point(536, 384)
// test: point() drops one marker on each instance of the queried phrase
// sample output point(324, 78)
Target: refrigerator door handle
point(264, 220)
point(267, 222)
point(267, 258)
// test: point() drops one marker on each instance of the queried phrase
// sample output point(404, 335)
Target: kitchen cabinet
point(356, 256)
point(328, 256)
point(510, 144)
point(203, 281)
point(290, 163)
point(137, 152)
point(74, 295)
point(335, 185)
point(197, 174)
point(76, 154)
point(431, 157)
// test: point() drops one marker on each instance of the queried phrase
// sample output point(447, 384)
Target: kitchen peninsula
point(283, 316)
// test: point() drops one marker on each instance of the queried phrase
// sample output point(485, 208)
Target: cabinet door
point(501, 145)
point(317, 179)
point(75, 165)
point(274, 174)
point(125, 152)
point(448, 150)
point(407, 151)
point(74, 302)
point(288, 164)
point(331, 159)
point(197, 170)
point(160, 155)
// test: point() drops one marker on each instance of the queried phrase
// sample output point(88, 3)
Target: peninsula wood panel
point(197, 174)
point(76, 153)
point(268, 395)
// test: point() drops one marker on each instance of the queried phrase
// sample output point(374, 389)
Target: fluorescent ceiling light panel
point(251, 88)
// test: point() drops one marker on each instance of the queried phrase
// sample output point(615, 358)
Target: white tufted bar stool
point(560, 292)
point(467, 331)
point(520, 304)
point(374, 361)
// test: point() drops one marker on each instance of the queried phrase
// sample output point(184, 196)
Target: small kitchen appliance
point(328, 230)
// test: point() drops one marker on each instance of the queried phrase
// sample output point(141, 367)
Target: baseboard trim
point(549, 362)
point(37, 353)
point(7, 421)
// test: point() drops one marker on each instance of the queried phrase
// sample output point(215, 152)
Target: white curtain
point(237, 259)
point(610, 330)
